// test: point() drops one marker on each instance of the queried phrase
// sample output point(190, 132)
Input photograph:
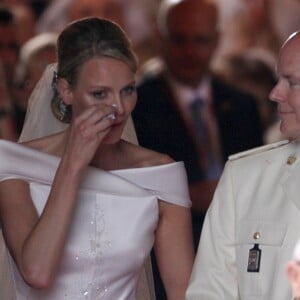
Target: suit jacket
point(160, 126)
point(256, 202)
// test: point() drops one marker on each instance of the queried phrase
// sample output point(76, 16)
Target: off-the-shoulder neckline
point(56, 157)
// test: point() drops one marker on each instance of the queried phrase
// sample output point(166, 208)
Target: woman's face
point(106, 81)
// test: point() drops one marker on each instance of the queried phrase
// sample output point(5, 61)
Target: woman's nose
point(118, 105)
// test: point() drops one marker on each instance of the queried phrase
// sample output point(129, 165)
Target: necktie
point(196, 108)
point(211, 165)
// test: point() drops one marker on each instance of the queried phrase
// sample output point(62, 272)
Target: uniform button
point(291, 159)
point(256, 235)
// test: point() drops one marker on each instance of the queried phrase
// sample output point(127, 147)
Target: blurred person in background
point(35, 55)
point(134, 16)
point(252, 73)
point(249, 26)
point(187, 111)
point(9, 44)
point(188, 38)
point(24, 19)
point(7, 124)
point(9, 51)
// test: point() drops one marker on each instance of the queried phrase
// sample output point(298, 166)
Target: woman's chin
point(112, 137)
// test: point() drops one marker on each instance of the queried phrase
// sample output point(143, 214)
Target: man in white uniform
point(253, 223)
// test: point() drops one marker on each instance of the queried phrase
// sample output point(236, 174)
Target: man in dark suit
point(164, 114)
point(189, 36)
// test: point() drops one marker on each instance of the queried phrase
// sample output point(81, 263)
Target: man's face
point(287, 90)
point(191, 40)
point(9, 50)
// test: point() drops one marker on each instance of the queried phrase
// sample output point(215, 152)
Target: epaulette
point(258, 150)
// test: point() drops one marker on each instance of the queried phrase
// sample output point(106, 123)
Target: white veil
point(39, 120)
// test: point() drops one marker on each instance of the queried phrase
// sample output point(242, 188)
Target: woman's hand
point(87, 132)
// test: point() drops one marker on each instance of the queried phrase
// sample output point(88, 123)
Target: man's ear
point(65, 91)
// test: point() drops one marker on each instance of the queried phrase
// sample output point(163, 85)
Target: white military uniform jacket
point(257, 202)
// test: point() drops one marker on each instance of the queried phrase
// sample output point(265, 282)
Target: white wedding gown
point(113, 227)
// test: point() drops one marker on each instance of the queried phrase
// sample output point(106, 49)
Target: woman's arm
point(174, 248)
point(36, 243)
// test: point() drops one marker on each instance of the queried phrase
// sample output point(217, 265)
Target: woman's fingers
point(87, 132)
point(96, 120)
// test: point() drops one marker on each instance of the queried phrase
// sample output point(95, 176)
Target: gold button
point(291, 159)
point(256, 235)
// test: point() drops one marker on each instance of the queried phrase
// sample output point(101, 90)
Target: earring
point(61, 110)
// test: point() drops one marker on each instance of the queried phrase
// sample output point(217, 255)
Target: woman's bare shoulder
point(142, 157)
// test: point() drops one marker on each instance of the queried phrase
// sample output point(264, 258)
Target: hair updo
point(82, 40)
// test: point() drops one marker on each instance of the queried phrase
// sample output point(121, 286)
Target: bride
point(81, 208)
